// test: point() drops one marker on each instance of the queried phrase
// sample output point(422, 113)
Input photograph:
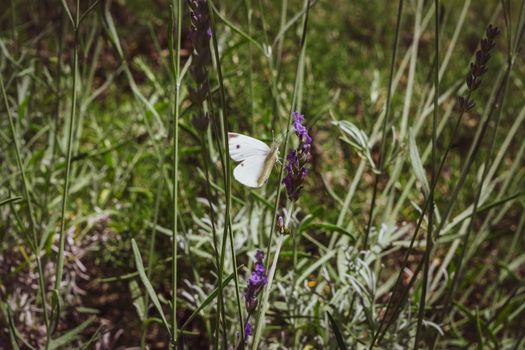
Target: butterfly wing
point(249, 171)
point(242, 147)
point(253, 155)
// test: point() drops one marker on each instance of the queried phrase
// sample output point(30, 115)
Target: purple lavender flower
point(199, 34)
point(300, 129)
point(297, 159)
point(259, 255)
point(248, 329)
point(256, 282)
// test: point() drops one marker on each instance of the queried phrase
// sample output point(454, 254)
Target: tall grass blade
point(175, 54)
point(338, 336)
point(147, 284)
point(383, 145)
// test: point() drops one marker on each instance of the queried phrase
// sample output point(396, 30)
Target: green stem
point(424, 210)
point(296, 236)
point(248, 5)
point(72, 117)
point(430, 214)
point(288, 126)
point(220, 300)
point(175, 64)
point(34, 239)
point(382, 153)
point(496, 107)
point(264, 306)
point(227, 177)
point(459, 261)
point(151, 260)
point(54, 119)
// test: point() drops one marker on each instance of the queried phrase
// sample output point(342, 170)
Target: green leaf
point(236, 29)
point(68, 12)
point(10, 200)
point(478, 330)
point(138, 300)
point(56, 307)
point(338, 336)
point(207, 301)
point(329, 227)
point(88, 11)
point(90, 343)
point(147, 284)
point(357, 139)
point(71, 335)
point(112, 31)
point(310, 269)
point(13, 333)
point(417, 165)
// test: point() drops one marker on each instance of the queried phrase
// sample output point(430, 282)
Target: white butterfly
point(257, 159)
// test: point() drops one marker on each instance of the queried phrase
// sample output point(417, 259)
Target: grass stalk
point(382, 153)
point(151, 260)
point(174, 53)
point(280, 42)
point(302, 47)
point(35, 247)
point(428, 247)
point(220, 301)
point(474, 148)
point(419, 223)
point(209, 186)
point(219, 320)
point(249, 15)
point(70, 134)
point(54, 119)
point(496, 111)
point(460, 258)
point(227, 178)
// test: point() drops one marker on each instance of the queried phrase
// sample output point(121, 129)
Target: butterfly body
point(255, 157)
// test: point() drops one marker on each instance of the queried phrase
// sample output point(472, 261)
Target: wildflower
point(297, 159)
point(479, 67)
point(201, 59)
point(256, 282)
point(248, 329)
point(259, 255)
point(300, 129)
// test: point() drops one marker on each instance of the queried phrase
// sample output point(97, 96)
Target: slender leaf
point(10, 200)
point(71, 335)
point(147, 284)
point(417, 165)
point(338, 336)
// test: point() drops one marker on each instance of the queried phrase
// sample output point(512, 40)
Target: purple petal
point(248, 329)
point(259, 255)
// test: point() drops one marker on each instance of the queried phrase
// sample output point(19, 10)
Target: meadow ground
point(393, 217)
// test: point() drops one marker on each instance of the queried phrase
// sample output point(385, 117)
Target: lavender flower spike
point(297, 159)
point(199, 34)
point(256, 282)
point(248, 329)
